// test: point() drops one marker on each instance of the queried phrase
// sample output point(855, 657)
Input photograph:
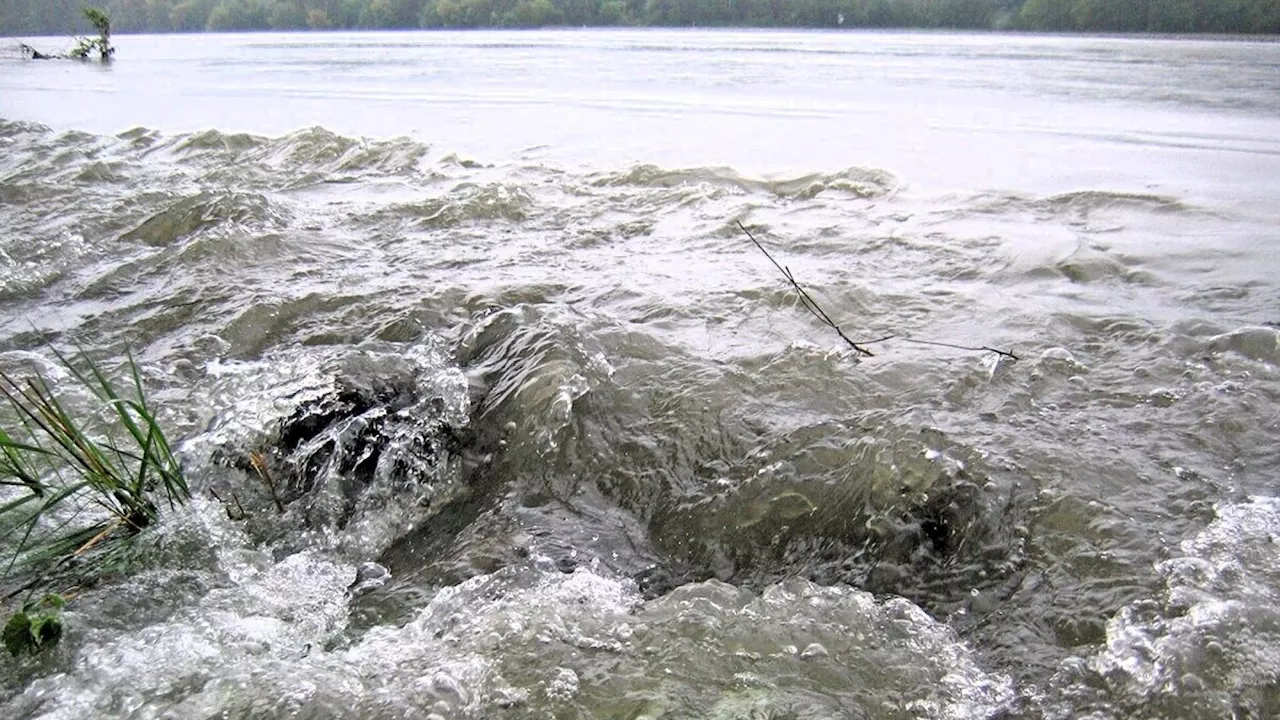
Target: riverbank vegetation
point(84, 465)
point(45, 17)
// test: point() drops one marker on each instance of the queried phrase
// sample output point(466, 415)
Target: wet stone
point(813, 650)
point(369, 577)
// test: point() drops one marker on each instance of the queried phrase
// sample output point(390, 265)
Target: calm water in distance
point(1044, 114)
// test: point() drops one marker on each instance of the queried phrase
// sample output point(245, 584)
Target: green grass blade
point(13, 465)
point(28, 523)
point(161, 458)
point(81, 449)
point(40, 409)
point(102, 387)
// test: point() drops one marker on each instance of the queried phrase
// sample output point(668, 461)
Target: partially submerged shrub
point(101, 44)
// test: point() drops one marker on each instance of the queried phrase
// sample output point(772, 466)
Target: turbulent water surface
point(479, 304)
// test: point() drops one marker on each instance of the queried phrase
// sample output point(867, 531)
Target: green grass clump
point(70, 482)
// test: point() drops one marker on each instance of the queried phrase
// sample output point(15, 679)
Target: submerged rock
point(369, 577)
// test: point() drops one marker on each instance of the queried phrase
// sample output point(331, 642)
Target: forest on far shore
point(58, 17)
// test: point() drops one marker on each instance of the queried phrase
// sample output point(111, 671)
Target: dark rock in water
point(656, 581)
point(35, 54)
point(528, 496)
point(330, 450)
point(369, 577)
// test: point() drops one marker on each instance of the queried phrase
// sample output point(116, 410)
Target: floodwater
point(481, 304)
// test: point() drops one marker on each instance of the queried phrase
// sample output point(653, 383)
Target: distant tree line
point(52, 17)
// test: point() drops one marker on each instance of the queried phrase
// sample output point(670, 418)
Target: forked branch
point(810, 304)
point(860, 346)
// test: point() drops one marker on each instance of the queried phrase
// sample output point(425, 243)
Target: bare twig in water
point(812, 306)
point(984, 348)
point(97, 538)
point(236, 513)
point(259, 464)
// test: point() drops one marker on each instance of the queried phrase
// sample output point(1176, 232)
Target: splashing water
point(529, 439)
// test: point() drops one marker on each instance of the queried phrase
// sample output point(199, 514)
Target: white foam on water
point(215, 605)
point(1211, 646)
point(251, 640)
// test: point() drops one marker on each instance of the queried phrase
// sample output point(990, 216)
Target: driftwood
point(35, 54)
point(859, 346)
